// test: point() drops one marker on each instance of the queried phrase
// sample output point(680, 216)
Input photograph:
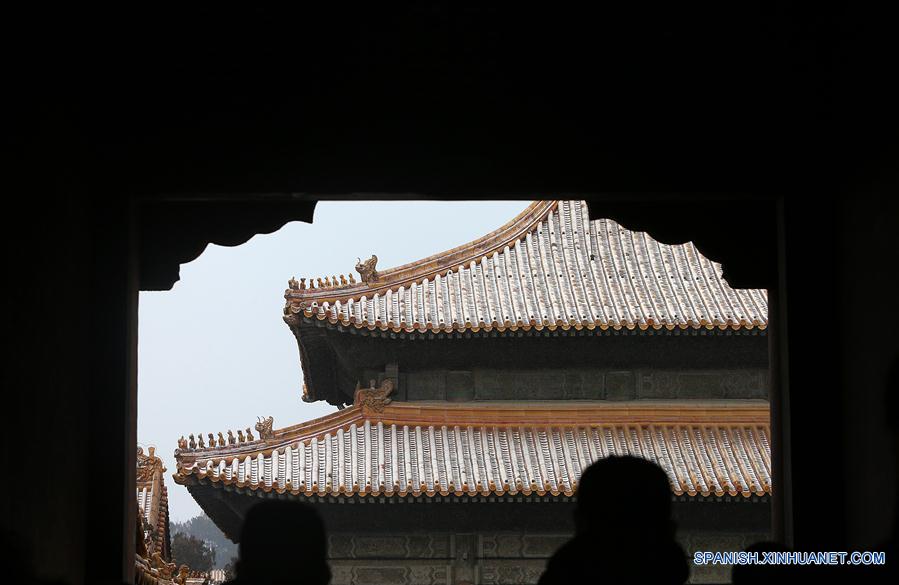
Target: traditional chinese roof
point(152, 502)
point(551, 267)
point(708, 448)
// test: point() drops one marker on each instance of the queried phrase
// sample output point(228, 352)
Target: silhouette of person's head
point(282, 543)
point(627, 493)
point(624, 529)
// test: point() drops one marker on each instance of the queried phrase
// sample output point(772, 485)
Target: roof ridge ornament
point(367, 270)
point(148, 465)
point(196, 442)
point(264, 426)
point(373, 399)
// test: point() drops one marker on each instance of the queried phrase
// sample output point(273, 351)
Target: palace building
point(153, 562)
point(474, 387)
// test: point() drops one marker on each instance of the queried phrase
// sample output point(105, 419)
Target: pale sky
point(214, 353)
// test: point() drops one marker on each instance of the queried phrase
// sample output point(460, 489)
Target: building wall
point(486, 558)
point(445, 558)
point(711, 365)
point(609, 383)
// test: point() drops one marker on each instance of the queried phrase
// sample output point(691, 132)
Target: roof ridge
point(375, 281)
point(551, 414)
point(574, 273)
point(701, 456)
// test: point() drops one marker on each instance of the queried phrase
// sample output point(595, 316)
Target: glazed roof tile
point(711, 448)
point(550, 267)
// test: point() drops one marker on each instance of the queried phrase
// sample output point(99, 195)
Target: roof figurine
point(264, 426)
point(372, 398)
point(367, 270)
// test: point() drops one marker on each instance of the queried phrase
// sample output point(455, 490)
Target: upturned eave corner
point(304, 292)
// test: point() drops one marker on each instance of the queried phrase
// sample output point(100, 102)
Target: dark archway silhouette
point(764, 107)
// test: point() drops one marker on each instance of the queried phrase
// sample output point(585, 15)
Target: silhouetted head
point(624, 494)
point(283, 543)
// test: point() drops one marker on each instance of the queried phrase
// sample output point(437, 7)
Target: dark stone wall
point(634, 366)
point(485, 539)
point(488, 558)
point(583, 384)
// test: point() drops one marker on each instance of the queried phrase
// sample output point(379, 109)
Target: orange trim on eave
point(564, 414)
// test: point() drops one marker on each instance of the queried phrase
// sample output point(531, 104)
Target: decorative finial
point(372, 398)
point(250, 435)
point(352, 278)
point(342, 280)
point(240, 436)
point(264, 426)
point(231, 439)
point(182, 443)
point(302, 284)
point(318, 281)
point(292, 284)
point(211, 441)
point(327, 282)
point(192, 444)
point(221, 439)
point(200, 442)
point(367, 270)
point(181, 578)
point(311, 284)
